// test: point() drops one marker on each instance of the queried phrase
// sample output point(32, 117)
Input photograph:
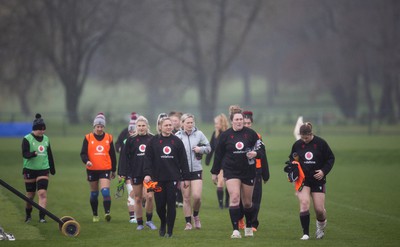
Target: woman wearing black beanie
point(38, 162)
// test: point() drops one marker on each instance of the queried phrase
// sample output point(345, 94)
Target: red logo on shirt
point(100, 148)
point(309, 156)
point(239, 145)
point(41, 148)
point(142, 148)
point(166, 150)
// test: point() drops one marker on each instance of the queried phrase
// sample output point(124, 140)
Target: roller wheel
point(71, 228)
point(65, 219)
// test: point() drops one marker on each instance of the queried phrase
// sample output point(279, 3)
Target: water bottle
point(250, 160)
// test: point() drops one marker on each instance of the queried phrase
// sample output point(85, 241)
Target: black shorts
point(95, 175)
point(195, 175)
point(33, 174)
point(246, 181)
point(137, 180)
point(315, 187)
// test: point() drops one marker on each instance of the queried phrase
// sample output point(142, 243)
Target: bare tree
point(68, 33)
point(19, 62)
point(204, 37)
point(390, 49)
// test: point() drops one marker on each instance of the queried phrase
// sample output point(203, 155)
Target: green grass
point(362, 201)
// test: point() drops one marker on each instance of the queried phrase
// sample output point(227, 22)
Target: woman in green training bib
point(38, 163)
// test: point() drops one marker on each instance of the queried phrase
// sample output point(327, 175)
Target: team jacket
point(132, 157)
point(313, 156)
point(100, 151)
point(230, 153)
point(262, 163)
point(44, 158)
point(120, 140)
point(213, 144)
point(166, 159)
point(196, 138)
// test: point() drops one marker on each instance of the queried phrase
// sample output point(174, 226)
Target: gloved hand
point(53, 170)
point(292, 171)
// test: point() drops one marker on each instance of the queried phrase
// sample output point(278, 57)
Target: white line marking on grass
point(385, 216)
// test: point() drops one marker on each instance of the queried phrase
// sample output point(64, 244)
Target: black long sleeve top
point(230, 153)
point(166, 159)
point(132, 156)
point(313, 156)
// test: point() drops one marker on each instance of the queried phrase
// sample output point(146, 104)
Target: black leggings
point(165, 204)
point(257, 196)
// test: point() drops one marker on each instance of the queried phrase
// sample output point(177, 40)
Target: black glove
point(52, 171)
point(288, 167)
point(292, 171)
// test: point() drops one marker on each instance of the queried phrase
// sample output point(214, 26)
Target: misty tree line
point(346, 47)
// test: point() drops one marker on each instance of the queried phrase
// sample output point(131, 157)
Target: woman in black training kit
point(166, 163)
point(235, 154)
point(316, 160)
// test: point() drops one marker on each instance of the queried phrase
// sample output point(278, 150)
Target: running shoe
point(305, 237)
point(161, 232)
point(42, 221)
point(140, 227)
point(236, 234)
point(188, 226)
point(28, 219)
point(197, 223)
point(107, 217)
point(96, 218)
point(151, 225)
point(133, 220)
point(248, 232)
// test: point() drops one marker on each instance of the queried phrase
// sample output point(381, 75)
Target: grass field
point(363, 203)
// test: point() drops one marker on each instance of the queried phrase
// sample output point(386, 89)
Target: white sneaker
point(305, 237)
point(188, 226)
point(133, 221)
point(236, 234)
point(320, 232)
point(248, 232)
point(151, 225)
point(197, 223)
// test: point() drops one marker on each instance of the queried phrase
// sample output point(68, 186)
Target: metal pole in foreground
point(22, 196)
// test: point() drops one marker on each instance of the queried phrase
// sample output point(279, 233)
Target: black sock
point(28, 212)
point(41, 215)
point(220, 196)
point(248, 212)
point(107, 206)
point(149, 216)
point(305, 222)
point(94, 203)
point(140, 221)
point(234, 212)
